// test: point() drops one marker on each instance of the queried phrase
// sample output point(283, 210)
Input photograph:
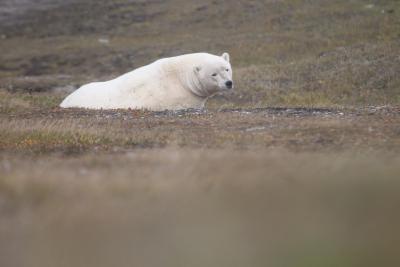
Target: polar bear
point(173, 83)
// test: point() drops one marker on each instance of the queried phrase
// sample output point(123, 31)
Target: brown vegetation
point(298, 167)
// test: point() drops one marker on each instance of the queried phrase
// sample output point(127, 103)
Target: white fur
point(171, 83)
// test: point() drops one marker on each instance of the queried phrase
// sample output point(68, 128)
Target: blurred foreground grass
point(185, 207)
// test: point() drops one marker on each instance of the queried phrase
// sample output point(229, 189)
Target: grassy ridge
point(34, 124)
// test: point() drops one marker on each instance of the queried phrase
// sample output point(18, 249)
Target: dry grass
point(296, 53)
point(10, 103)
point(38, 127)
point(230, 186)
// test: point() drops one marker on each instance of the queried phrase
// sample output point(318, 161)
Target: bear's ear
point(225, 56)
point(197, 69)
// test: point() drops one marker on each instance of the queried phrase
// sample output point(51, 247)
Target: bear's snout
point(229, 84)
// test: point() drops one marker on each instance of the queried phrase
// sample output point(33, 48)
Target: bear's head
point(215, 74)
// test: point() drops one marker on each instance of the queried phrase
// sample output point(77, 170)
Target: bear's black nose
point(229, 84)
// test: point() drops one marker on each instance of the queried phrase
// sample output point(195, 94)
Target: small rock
point(257, 128)
point(389, 11)
point(104, 41)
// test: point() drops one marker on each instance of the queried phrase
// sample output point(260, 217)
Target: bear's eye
point(227, 69)
point(214, 74)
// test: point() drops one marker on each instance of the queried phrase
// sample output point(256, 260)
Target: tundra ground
point(299, 166)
